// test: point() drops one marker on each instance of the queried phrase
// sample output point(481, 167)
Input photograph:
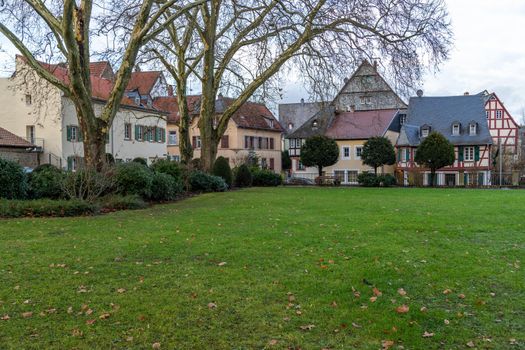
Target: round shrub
point(46, 181)
point(166, 166)
point(202, 182)
point(221, 168)
point(266, 178)
point(164, 187)
point(140, 160)
point(243, 176)
point(133, 178)
point(367, 179)
point(13, 180)
point(387, 180)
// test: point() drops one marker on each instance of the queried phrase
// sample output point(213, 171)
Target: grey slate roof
point(324, 119)
point(440, 113)
point(297, 114)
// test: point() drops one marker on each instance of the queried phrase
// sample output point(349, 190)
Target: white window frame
point(468, 154)
point(348, 176)
point(343, 156)
point(487, 114)
point(29, 100)
point(74, 133)
point(473, 129)
point(424, 132)
point(403, 154)
point(358, 157)
point(127, 131)
point(499, 114)
point(170, 138)
point(198, 142)
point(455, 129)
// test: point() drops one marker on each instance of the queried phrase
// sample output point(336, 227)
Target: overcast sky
point(488, 53)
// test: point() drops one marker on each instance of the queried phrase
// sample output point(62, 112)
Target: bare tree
point(61, 31)
point(242, 46)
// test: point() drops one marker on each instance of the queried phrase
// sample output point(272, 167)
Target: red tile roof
point(8, 139)
point(170, 104)
point(360, 124)
point(143, 81)
point(253, 115)
point(99, 68)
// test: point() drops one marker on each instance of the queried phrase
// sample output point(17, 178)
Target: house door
point(450, 180)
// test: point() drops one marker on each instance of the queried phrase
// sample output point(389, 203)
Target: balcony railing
point(38, 142)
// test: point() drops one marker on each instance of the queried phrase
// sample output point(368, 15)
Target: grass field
point(285, 268)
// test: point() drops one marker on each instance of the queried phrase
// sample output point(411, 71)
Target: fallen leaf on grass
point(333, 304)
point(155, 345)
point(355, 325)
point(76, 332)
point(307, 327)
point(471, 344)
point(221, 263)
point(423, 309)
point(27, 314)
point(403, 309)
point(373, 299)
point(461, 296)
point(446, 322)
point(121, 290)
point(387, 344)
point(5, 318)
point(104, 316)
point(273, 342)
point(90, 322)
point(212, 305)
point(377, 292)
point(428, 335)
point(401, 292)
point(447, 291)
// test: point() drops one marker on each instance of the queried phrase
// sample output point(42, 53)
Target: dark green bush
point(387, 180)
point(367, 179)
point(243, 176)
point(46, 181)
point(45, 207)
point(13, 180)
point(133, 178)
point(166, 166)
point(202, 182)
point(117, 202)
point(164, 187)
point(266, 178)
point(221, 168)
point(140, 160)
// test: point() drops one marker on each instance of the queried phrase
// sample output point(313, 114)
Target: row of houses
point(479, 126)
point(38, 125)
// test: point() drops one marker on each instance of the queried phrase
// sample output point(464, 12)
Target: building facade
point(39, 110)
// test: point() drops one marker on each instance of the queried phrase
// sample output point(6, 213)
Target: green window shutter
point(408, 154)
point(69, 163)
point(163, 135)
point(476, 153)
point(137, 131)
point(69, 132)
point(79, 135)
point(460, 153)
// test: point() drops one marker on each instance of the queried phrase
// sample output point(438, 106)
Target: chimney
point(419, 93)
point(220, 97)
point(466, 93)
point(375, 65)
point(170, 90)
point(302, 101)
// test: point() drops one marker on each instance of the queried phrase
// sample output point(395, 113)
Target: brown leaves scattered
point(58, 266)
point(387, 344)
point(212, 305)
point(373, 299)
point(5, 318)
point(121, 290)
point(27, 314)
point(307, 327)
point(273, 342)
point(82, 289)
point(471, 344)
point(104, 316)
point(403, 309)
point(90, 322)
point(447, 291)
point(401, 292)
point(77, 333)
point(376, 292)
point(155, 345)
point(221, 263)
point(355, 325)
point(423, 309)
point(428, 335)
point(461, 296)
point(333, 304)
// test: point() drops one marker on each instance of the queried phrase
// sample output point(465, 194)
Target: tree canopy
point(435, 152)
point(319, 151)
point(378, 151)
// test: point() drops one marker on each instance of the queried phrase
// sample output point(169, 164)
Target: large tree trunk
point(185, 146)
point(94, 131)
point(208, 154)
point(320, 170)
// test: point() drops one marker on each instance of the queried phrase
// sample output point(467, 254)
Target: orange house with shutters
point(253, 128)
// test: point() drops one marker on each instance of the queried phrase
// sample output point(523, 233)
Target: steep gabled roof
point(101, 69)
point(8, 139)
point(440, 113)
point(318, 124)
point(296, 114)
point(170, 104)
point(360, 124)
point(143, 82)
point(250, 115)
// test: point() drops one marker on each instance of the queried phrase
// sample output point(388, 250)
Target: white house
point(38, 111)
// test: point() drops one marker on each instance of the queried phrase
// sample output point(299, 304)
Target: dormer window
point(402, 119)
point(425, 130)
point(137, 101)
point(456, 129)
point(290, 126)
point(315, 124)
point(473, 129)
point(365, 100)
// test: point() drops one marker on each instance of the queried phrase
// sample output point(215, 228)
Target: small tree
point(378, 151)
point(319, 151)
point(286, 161)
point(222, 169)
point(435, 152)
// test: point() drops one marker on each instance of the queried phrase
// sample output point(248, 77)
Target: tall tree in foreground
point(238, 48)
point(435, 152)
point(61, 32)
point(319, 151)
point(378, 151)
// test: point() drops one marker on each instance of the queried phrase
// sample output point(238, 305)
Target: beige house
point(252, 128)
point(38, 111)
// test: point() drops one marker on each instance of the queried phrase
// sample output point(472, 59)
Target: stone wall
point(20, 155)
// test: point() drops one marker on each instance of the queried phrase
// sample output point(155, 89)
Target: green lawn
point(294, 257)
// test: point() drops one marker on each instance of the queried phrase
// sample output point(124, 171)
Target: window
point(455, 129)
point(73, 133)
point(29, 100)
point(272, 143)
point(272, 164)
point(30, 133)
point(402, 119)
point(424, 132)
point(340, 175)
point(487, 114)
point(472, 129)
point(365, 100)
point(292, 143)
point(300, 166)
point(469, 154)
point(225, 141)
point(271, 123)
point(290, 126)
point(196, 142)
point(137, 101)
point(139, 132)
point(358, 151)
point(346, 152)
point(172, 139)
point(352, 176)
point(315, 124)
point(264, 163)
point(73, 163)
point(499, 114)
point(127, 131)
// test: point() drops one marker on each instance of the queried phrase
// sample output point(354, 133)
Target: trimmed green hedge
point(46, 207)
point(116, 202)
point(266, 178)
